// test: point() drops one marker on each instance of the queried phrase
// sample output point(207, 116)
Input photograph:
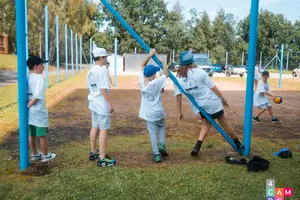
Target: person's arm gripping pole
point(172, 77)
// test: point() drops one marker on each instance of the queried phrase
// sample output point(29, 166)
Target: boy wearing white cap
point(151, 108)
point(100, 106)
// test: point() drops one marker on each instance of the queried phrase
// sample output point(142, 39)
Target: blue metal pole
point(116, 54)
point(26, 30)
point(281, 66)
point(91, 56)
point(66, 51)
point(250, 76)
point(72, 53)
point(22, 84)
point(80, 54)
point(57, 51)
point(287, 61)
point(172, 77)
point(46, 46)
point(76, 53)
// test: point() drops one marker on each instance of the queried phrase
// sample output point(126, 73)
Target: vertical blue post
point(116, 54)
point(72, 53)
point(76, 53)
point(46, 45)
point(281, 65)
point(91, 55)
point(80, 54)
point(22, 84)
point(57, 51)
point(66, 51)
point(26, 30)
point(250, 76)
point(287, 60)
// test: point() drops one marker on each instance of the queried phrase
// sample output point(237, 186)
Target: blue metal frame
point(22, 84)
point(250, 76)
point(80, 54)
point(46, 45)
point(76, 52)
point(66, 51)
point(57, 51)
point(281, 65)
point(172, 77)
point(72, 53)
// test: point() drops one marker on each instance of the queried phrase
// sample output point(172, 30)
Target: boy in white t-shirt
point(151, 108)
point(261, 101)
point(100, 106)
point(196, 82)
point(37, 113)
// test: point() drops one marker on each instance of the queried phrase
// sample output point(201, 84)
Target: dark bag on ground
point(258, 164)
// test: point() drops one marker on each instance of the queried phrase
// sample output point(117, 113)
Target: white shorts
point(264, 106)
point(257, 77)
point(100, 121)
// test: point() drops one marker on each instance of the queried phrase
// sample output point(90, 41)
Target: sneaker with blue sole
point(36, 157)
point(156, 158)
point(162, 150)
point(107, 161)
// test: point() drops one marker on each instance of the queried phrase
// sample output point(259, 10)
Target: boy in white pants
point(100, 106)
point(151, 108)
point(37, 112)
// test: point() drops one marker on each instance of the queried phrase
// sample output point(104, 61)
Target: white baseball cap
point(100, 52)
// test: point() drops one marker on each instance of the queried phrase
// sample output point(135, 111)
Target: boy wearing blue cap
point(151, 108)
point(196, 82)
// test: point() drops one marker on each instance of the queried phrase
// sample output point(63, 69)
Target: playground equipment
point(172, 77)
point(22, 81)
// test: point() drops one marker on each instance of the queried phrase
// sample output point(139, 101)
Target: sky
point(240, 8)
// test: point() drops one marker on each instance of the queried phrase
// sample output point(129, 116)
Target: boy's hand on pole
point(152, 52)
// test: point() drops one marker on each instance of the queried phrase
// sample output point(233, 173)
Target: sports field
point(72, 176)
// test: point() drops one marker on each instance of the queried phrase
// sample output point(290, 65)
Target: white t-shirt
point(198, 84)
point(261, 99)
point(37, 114)
point(98, 78)
point(151, 103)
point(257, 74)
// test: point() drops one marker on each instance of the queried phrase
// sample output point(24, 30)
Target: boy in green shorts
point(37, 112)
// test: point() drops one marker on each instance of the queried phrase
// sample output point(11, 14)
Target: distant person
point(196, 82)
point(261, 101)
point(257, 75)
point(151, 108)
point(100, 106)
point(107, 67)
point(37, 111)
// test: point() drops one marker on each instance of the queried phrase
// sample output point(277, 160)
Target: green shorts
point(37, 131)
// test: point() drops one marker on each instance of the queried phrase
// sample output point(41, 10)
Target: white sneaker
point(49, 157)
point(38, 156)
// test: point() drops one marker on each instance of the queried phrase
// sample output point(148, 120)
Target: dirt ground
point(70, 120)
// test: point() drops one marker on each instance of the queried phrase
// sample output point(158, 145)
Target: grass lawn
point(74, 177)
point(9, 106)
point(8, 62)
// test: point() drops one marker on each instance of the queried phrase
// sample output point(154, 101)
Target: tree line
point(159, 27)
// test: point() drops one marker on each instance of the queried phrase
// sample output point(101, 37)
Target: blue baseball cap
point(186, 58)
point(150, 70)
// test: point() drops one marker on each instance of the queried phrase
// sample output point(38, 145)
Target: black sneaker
point(195, 152)
point(106, 162)
point(276, 121)
point(93, 155)
point(162, 150)
point(256, 120)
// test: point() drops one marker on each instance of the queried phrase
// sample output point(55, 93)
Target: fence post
point(57, 52)
point(46, 45)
